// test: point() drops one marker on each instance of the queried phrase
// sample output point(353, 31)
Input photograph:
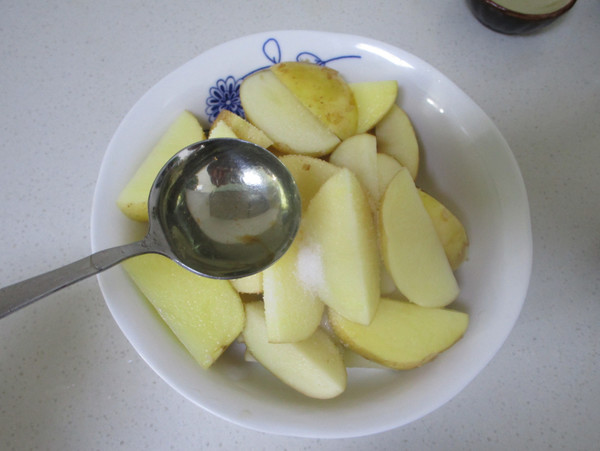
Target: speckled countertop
point(70, 71)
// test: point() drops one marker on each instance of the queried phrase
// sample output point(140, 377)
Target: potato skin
point(324, 92)
point(402, 335)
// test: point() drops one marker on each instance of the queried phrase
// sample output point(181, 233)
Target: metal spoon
point(222, 208)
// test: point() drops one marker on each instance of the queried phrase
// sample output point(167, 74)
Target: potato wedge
point(272, 107)
point(249, 285)
point(387, 168)
point(412, 251)
point(314, 366)
point(359, 154)
point(402, 335)
point(221, 130)
point(292, 311)
point(341, 235)
point(133, 199)
point(373, 100)
point(309, 173)
point(205, 314)
point(243, 129)
point(324, 92)
point(396, 137)
point(449, 229)
point(355, 360)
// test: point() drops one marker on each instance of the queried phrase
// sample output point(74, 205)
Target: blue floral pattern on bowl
point(225, 93)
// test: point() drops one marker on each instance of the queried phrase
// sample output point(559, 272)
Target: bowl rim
point(529, 16)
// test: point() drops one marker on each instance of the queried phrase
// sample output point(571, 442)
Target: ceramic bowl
point(466, 163)
point(510, 21)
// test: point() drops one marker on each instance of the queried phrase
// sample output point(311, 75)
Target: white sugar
point(309, 267)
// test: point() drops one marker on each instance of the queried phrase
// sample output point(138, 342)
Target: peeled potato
point(342, 239)
point(205, 314)
point(313, 366)
point(412, 251)
point(373, 100)
point(133, 200)
point(396, 137)
point(292, 311)
point(359, 154)
point(387, 168)
point(249, 285)
point(309, 173)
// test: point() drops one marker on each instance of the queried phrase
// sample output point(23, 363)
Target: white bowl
point(466, 163)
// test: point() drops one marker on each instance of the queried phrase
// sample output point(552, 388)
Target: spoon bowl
point(226, 208)
point(223, 208)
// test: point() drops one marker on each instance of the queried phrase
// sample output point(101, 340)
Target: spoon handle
point(21, 294)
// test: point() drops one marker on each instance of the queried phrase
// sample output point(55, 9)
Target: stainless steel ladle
point(222, 208)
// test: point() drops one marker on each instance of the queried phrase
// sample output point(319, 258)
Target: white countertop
point(71, 70)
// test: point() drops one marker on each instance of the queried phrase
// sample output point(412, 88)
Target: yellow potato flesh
point(292, 311)
point(133, 200)
point(324, 92)
point(243, 129)
point(272, 107)
point(450, 230)
point(251, 284)
point(387, 168)
point(402, 335)
point(373, 100)
point(205, 314)
point(341, 236)
point(359, 154)
point(313, 366)
point(412, 251)
point(309, 173)
point(221, 130)
point(396, 137)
